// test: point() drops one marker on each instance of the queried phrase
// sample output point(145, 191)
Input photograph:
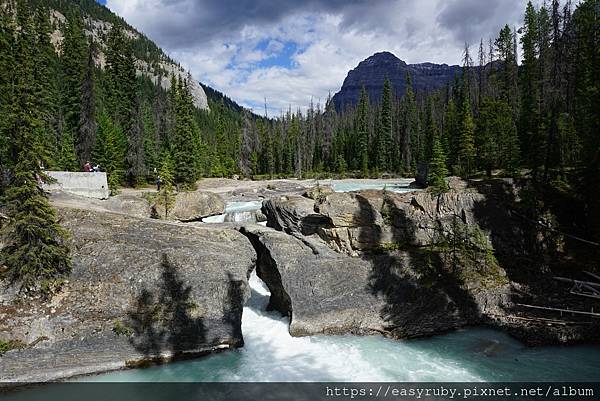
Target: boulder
point(293, 213)
point(140, 290)
point(319, 192)
point(195, 205)
point(130, 204)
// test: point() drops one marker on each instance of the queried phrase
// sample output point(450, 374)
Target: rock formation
point(402, 265)
point(406, 265)
point(326, 292)
point(140, 290)
point(190, 206)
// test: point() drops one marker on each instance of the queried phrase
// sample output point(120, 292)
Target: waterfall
point(237, 212)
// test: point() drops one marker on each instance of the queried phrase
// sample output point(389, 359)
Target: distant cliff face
point(158, 69)
point(372, 72)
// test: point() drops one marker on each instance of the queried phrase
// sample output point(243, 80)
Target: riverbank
point(361, 263)
point(271, 354)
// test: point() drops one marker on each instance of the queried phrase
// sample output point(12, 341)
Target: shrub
point(120, 329)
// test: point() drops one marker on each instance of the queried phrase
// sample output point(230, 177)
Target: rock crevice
point(267, 271)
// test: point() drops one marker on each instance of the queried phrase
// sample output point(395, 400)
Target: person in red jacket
point(87, 167)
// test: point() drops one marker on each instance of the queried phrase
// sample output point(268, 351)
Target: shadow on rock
point(234, 306)
point(423, 295)
point(536, 234)
point(166, 321)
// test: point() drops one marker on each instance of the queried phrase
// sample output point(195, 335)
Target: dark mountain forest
point(541, 115)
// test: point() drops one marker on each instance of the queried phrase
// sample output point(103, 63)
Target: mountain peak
point(372, 72)
point(384, 57)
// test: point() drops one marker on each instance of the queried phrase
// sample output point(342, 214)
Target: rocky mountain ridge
point(158, 71)
point(372, 72)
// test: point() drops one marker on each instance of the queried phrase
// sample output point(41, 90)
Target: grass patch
point(6, 346)
point(120, 329)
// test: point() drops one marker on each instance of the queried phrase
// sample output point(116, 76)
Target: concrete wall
point(91, 185)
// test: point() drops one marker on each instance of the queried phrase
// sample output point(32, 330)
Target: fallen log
point(593, 275)
point(573, 281)
point(593, 314)
point(539, 319)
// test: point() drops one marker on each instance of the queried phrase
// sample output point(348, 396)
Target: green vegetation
point(35, 253)
point(437, 168)
point(166, 197)
point(120, 329)
point(6, 346)
point(496, 116)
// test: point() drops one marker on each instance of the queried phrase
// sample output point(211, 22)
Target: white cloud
point(331, 38)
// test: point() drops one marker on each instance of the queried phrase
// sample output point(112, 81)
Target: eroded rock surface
point(140, 289)
point(194, 205)
point(328, 292)
point(419, 263)
point(293, 213)
point(131, 204)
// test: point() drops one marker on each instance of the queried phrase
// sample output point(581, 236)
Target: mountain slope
point(372, 72)
point(151, 61)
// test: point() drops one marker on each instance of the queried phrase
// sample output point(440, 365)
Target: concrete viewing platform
point(91, 185)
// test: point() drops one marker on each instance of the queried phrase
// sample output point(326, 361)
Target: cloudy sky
point(290, 51)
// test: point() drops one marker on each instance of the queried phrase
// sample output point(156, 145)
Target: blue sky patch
point(280, 54)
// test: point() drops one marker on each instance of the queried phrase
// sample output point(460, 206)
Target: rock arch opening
point(267, 271)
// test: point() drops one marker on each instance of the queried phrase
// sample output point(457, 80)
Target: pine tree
point(136, 169)
point(509, 152)
point(528, 121)
point(410, 128)
point(74, 55)
point(481, 74)
point(341, 165)
point(151, 138)
point(123, 101)
point(451, 135)
point(384, 135)
point(183, 138)
point(293, 134)
point(67, 160)
point(7, 62)
point(47, 97)
point(87, 117)
point(437, 168)
point(166, 197)
point(269, 156)
point(466, 150)
point(587, 90)
point(120, 76)
point(363, 132)
point(108, 153)
point(246, 162)
point(330, 121)
point(505, 49)
point(430, 132)
point(487, 137)
point(34, 253)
